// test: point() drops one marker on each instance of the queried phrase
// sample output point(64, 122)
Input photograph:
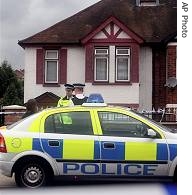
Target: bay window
point(112, 64)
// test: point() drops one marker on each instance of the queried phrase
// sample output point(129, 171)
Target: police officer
point(79, 97)
point(67, 100)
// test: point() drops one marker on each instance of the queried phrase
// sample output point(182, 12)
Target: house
point(124, 49)
point(47, 100)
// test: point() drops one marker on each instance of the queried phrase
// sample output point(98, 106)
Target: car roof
point(81, 107)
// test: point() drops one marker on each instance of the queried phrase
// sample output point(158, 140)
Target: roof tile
point(152, 23)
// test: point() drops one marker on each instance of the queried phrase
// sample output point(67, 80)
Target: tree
point(11, 89)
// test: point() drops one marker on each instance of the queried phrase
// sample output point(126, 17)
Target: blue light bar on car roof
point(95, 99)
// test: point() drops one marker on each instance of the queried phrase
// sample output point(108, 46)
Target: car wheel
point(31, 175)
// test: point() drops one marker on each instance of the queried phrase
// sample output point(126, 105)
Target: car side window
point(121, 125)
point(69, 123)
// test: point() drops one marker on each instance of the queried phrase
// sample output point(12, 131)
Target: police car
point(93, 140)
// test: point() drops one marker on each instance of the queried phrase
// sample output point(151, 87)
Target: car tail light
point(2, 144)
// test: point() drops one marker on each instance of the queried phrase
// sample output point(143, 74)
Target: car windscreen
point(164, 128)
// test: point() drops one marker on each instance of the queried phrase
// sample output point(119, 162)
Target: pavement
point(8, 187)
point(6, 181)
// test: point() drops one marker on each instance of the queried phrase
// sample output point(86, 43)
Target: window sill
point(51, 85)
point(107, 83)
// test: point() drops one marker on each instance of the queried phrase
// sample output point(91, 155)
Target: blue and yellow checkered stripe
point(91, 150)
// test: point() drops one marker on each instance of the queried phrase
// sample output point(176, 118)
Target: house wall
point(114, 94)
point(145, 78)
point(76, 72)
point(76, 65)
point(171, 93)
point(159, 77)
point(31, 89)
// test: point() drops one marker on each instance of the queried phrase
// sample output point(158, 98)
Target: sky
point(20, 19)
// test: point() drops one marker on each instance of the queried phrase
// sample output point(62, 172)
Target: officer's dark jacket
point(77, 101)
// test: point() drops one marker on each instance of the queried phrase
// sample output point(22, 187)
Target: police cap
point(78, 85)
point(69, 86)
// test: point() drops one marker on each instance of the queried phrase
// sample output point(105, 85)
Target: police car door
point(126, 150)
point(69, 140)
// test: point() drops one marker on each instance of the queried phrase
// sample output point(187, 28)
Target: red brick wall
point(171, 61)
point(11, 118)
point(159, 77)
point(164, 66)
point(171, 93)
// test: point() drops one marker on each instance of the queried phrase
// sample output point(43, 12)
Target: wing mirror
point(151, 133)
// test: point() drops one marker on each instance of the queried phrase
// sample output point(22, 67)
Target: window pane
point(101, 51)
point(73, 123)
point(123, 51)
point(117, 124)
point(51, 71)
point(122, 68)
point(101, 68)
point(49, 125)
point(51, 54)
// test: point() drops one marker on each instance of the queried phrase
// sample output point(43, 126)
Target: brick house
point(124, 49)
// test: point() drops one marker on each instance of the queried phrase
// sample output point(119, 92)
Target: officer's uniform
point(79, 99)
point(66, 101)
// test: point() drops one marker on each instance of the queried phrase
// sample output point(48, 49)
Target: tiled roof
point(152, 23)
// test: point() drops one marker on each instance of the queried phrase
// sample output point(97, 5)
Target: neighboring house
point(123, 49)
point(47, 100)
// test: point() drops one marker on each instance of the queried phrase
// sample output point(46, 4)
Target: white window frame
point(102, 49)
point(101, 56)
point(127, 56)
point(46, 56)
point(48, 59)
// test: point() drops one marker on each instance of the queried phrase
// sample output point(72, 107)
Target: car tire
point(31, 175)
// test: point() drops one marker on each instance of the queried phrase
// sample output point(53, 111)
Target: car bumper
point(6, 164)
point(5, 168)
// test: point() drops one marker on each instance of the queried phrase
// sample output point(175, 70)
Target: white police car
point(93, 140)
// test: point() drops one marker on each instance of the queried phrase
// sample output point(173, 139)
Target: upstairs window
point(101, 64)
point(147, 2)
point(51, 66)
point(122, 64)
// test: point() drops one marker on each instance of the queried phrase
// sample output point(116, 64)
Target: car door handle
point(109, 145)
point(54, 142)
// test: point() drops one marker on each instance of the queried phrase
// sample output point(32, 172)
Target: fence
point(166, 116)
